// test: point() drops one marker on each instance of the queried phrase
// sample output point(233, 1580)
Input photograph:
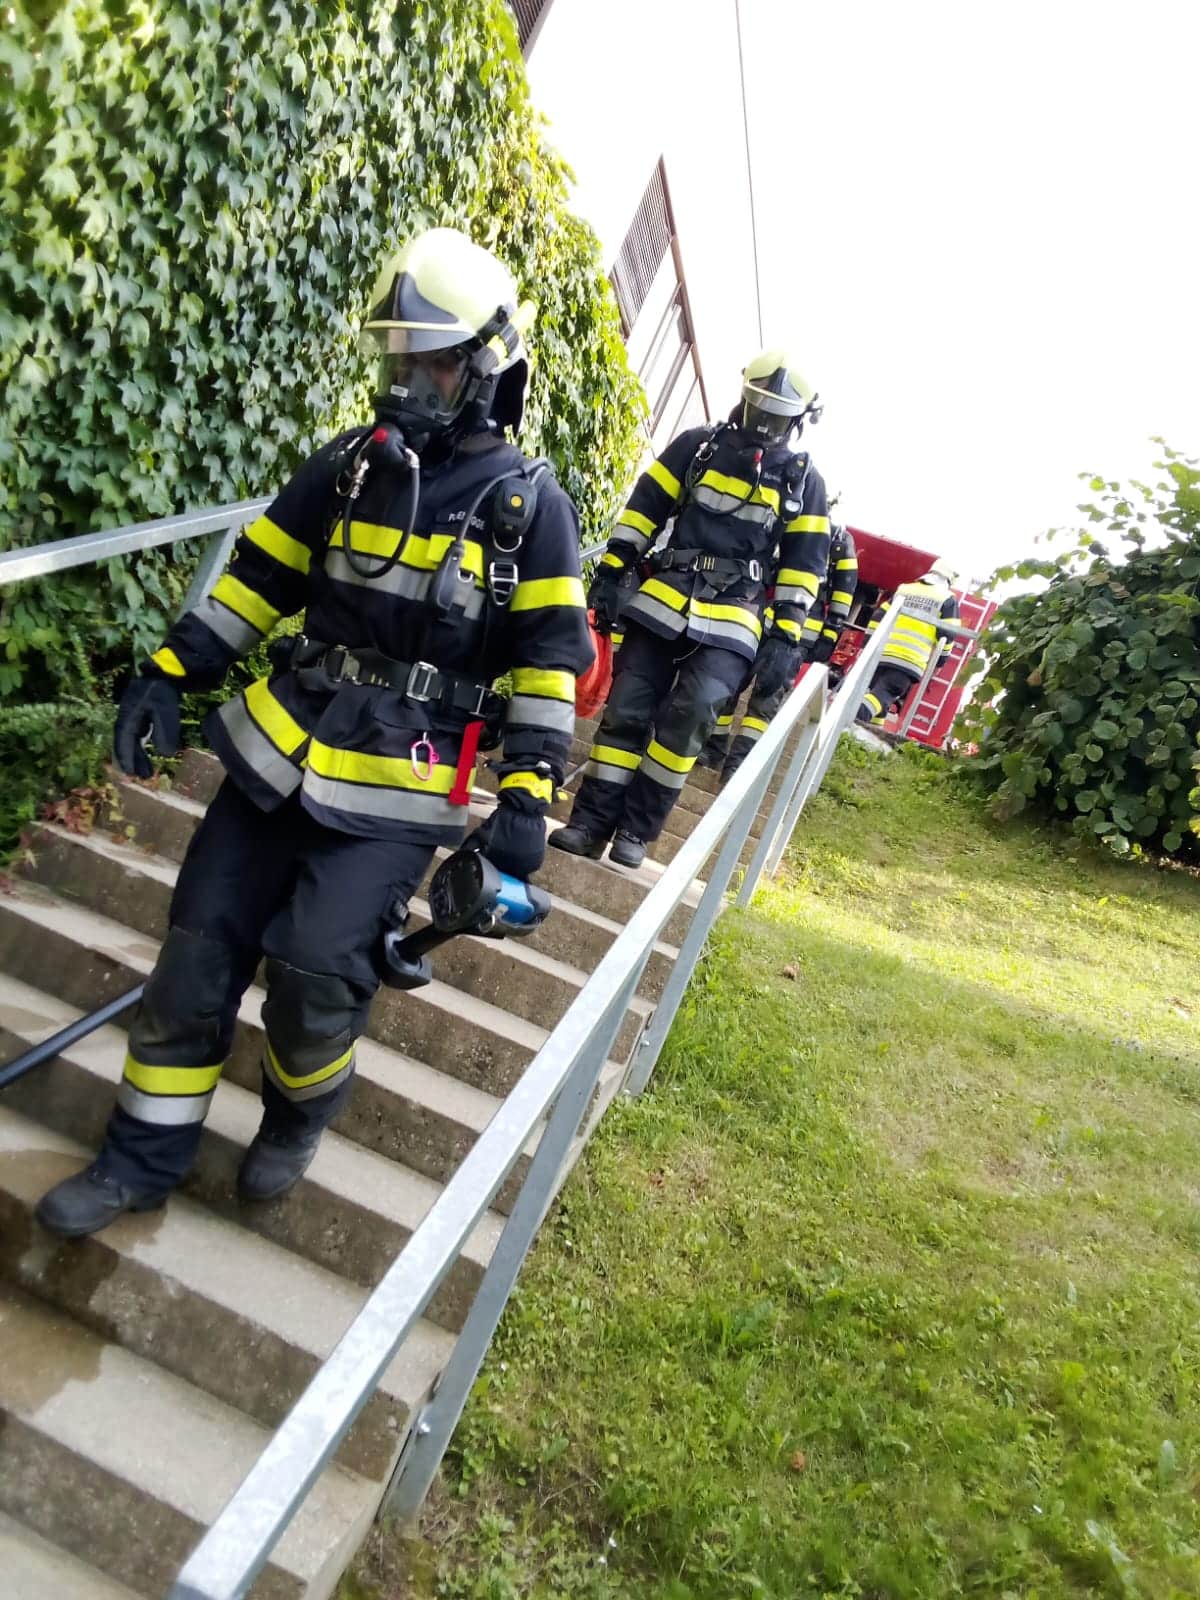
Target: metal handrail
point(562, 1075)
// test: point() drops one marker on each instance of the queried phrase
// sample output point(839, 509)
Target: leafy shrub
point(1094, 682)
point(195, 200)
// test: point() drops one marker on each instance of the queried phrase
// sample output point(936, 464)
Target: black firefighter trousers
point(675, 687)
point(889, 686)
point(314, 903)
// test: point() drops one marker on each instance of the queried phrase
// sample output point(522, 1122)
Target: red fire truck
point(883, 565)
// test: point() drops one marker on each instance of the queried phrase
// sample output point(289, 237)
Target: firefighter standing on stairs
point(430, 556)
point(908, 652)
point(749, 513)
point(822, 630)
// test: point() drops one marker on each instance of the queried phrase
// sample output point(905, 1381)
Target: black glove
point(604, 597)
point(825, 646)
point(147, 715)
point(513, 838)
point(777, 663)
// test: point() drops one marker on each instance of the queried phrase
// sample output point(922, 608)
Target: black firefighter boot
point(577, 841)
point(276, 1161)
point(627, 849)
point(90, 1201)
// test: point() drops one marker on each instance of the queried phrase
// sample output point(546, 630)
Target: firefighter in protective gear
point(822, 629)
point(749, 513)
point(914, 639)
point(428, 557)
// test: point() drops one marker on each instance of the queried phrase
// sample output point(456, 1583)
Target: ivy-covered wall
point(195, 199)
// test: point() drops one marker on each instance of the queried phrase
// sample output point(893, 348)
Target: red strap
point(460, 795)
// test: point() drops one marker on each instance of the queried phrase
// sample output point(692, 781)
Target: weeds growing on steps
point(890, 1286)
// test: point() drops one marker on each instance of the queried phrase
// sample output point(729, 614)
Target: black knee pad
point(187, 1010)
point(310, 1017)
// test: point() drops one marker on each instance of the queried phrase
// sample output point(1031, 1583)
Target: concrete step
point(352, 1212)
point(124, 1465)
point(163, 822)
point(456, 1027)
point(35, 1569)
point(233, 1314)
point(400, 1108)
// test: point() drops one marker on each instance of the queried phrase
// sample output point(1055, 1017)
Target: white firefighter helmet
point(446, 324)
point(776, 397)
point(941, 572)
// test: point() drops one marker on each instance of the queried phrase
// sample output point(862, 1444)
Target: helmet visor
point(764, 423)
point(425, 383)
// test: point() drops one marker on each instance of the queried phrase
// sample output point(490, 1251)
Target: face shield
point(767, 425)
point(422, 384)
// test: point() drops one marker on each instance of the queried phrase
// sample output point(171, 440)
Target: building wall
point(622, 82)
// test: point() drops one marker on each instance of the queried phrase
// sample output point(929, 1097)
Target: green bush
point(196, 200)
point(1091, 706)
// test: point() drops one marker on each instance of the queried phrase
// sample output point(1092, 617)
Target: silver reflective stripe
point(663, 775)
point(402, 582)
point(790, 594)
point(533, 711)
point(312, 1091)
point(634, 537)
point(256, 750)
point(705, 495)
point(609, 774)
point(164, 1110)
point(645, 605)
point(751, 735)
point(395, 805)
point(231, 629)
point(707, 630)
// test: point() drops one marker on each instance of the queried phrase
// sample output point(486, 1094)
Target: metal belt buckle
point(481, 699)
point(707, 564)
point(756, 571)
point(420, 680)
point(502, 581)
point(345, 669)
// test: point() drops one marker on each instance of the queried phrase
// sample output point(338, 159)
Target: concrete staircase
point(145, 1368)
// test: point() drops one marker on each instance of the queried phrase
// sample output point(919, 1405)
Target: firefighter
point(822, 630)
point(749, 513)
point(914, 639)
point(429, 556)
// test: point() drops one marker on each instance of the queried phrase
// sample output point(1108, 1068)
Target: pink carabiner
point(423, 754)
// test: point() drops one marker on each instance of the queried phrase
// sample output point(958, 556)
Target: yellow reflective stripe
point(609, 560)
point(763, 494)
point(616, 639)
point(421, 551)
point(635, 520)
point(274, 719)
point(839, 597)
point(899, 652)
point(668, 758)
point(916, 628)
point(269, 536)
point(171, 1080)
point(726, 720)
point(812, 624)
point(386, 772)
point(307, 1079)
point(874, 702)
point(665, 479)
point(808, 525)
point(611, 756)
point(755, 722)
point(849, 565)
point(246, 603)
point(720, 613)
point(792, 629)
point(546, 681)
point(664, 592)
point(540, 592)
point(169, 662)
point(792, 577)
point(539, 788)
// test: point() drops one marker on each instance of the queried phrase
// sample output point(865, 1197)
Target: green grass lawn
point(889, 1285)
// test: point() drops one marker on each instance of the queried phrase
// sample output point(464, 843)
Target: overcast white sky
point(979, 224)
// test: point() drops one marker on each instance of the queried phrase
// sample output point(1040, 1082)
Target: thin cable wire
point(737, 12)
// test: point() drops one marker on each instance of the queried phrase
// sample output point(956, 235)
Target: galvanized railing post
point(795, 774)
point(212, 561)
point(427, 1441)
